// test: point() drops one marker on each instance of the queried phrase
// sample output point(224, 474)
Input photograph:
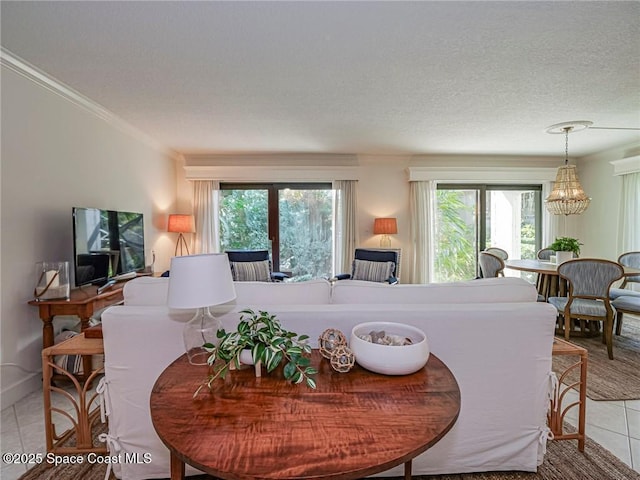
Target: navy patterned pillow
point(372, 271)
point(251, 271)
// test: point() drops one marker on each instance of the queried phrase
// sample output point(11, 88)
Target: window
point(470, 218)
point(293, 221)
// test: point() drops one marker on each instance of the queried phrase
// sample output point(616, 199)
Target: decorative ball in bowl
point(389, 348)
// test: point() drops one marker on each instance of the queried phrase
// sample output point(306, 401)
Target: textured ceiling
point(346, 77)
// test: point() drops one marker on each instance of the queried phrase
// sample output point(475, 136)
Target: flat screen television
point(106, 243)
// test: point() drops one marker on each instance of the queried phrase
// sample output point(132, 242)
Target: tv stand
point(83, 302)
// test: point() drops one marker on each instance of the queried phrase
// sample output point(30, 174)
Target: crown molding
point(482, 174)
point(43, 80)
point(626, 165)
point(270, 173)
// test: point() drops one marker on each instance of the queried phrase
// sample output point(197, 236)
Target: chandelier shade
point(567, 196)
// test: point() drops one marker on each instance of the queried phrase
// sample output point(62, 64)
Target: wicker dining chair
point(589, 283)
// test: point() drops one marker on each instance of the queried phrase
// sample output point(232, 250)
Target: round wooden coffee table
point(353, 425)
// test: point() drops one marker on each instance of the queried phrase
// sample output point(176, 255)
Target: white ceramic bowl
point(388, 359)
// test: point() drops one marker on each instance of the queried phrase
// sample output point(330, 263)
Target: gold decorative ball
point(342, 359)
point(329, 340)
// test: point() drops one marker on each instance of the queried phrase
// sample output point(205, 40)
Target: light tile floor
point(22, 427)
point(614, 425)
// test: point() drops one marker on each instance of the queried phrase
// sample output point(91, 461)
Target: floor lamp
point(181, 224)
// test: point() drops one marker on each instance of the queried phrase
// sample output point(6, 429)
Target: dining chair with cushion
point(625, 304)
point(589, 282)
point(629, 259)
point(545, 254)
point(498, 252)
point(490, 265)
point(253, 266)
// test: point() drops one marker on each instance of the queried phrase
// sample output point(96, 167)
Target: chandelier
point(567, 196)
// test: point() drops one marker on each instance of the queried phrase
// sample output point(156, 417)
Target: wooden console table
point(83, 302)
point(353, 425)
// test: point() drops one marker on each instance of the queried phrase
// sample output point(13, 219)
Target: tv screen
point(106, 243)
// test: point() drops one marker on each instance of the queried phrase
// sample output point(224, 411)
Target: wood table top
point(353, 425)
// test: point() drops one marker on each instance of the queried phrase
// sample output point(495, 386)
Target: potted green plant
point(269, 344)
point(566, 248)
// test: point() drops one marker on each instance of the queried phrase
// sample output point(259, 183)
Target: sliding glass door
point(470, 218)
point(293, 221)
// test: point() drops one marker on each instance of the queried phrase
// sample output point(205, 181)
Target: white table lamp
point(200, 281)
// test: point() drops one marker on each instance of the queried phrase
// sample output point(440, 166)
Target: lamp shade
point(200, 281)
point(180, 223)
point(385, 226)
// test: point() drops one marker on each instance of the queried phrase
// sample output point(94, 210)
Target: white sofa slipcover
point(499, 352)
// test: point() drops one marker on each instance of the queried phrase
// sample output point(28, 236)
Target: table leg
point(87, 367)
point(47, 332)
point(407, 470)
point(583, 401)
point(177, 468)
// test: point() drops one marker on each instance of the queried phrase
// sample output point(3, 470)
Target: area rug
point(617, 379)
point(563, 461)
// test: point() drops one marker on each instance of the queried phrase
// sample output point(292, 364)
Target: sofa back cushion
point(312, 292)
point(486, 290)
point(148, 291)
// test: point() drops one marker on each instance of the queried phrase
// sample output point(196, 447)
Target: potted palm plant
point(566, 248)
point(260, 339)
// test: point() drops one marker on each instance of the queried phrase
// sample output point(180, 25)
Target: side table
point(85, 405)
point(557, 412)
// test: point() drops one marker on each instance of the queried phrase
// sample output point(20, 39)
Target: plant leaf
point(289, 370)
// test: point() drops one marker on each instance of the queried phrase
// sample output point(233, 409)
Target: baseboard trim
point(20, 389)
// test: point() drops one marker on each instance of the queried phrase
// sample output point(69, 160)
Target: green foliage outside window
point(243, 220)
point(455, 238)
point(305, 227)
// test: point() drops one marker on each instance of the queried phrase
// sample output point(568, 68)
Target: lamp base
point(201, 331)
point(385, 241)
point(182, 242)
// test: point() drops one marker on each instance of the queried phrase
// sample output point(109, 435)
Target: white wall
point(57, 155)
point(598, 226)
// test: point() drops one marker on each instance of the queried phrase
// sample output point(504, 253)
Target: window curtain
point(423, 217)
point(345, 225)
point(629, 237)
point(206, 215)
point(550, 222)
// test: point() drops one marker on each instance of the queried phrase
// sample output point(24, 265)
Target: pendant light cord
point(566, 145)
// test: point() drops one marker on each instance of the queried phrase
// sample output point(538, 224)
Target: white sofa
point(491, 333)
